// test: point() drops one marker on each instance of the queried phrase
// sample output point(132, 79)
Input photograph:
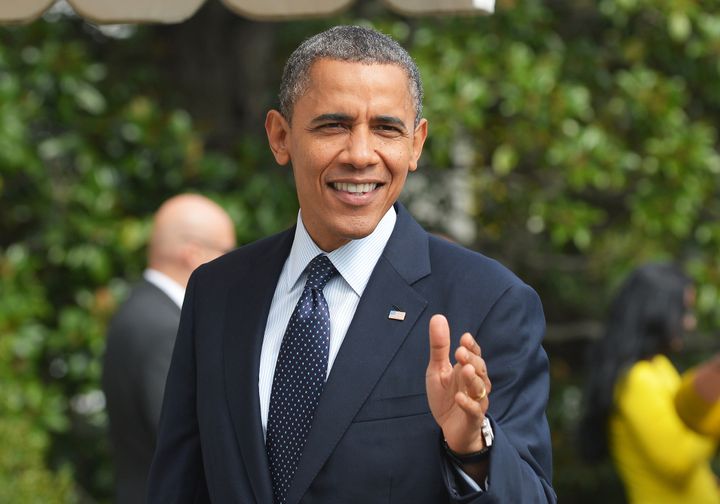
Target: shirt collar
point(355, 261)
point(170, 287)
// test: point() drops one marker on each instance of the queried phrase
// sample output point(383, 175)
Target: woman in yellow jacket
point(630, 413)
point(698, 398)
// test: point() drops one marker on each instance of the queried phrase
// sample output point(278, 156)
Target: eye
point(332, 126)
point(388, 130)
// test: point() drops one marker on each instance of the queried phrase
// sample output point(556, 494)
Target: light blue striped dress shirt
point(354, 261)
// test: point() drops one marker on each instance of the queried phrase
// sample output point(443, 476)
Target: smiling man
point(314, 366)
point(352, 142)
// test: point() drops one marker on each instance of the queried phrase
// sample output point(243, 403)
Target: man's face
point(351, 144)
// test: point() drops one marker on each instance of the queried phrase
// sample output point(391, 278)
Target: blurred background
point(572, 140)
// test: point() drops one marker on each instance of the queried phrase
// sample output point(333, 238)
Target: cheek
point(304, 168)
point(397, 158)
point(314, 158)
point(323, 152)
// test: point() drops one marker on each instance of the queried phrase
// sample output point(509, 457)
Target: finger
point(467, 341)
point(439, 342)
point(475, 386)
point(469, 352)
point(473, 408)
point(463, 356)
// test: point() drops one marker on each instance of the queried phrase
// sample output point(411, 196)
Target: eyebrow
point(335, 117)
point(346, 118)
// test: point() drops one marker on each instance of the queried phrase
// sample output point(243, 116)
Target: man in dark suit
point(188, 230)
point(349, 293)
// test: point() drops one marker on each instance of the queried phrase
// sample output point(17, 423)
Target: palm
point(448, 388)
point(442, 385)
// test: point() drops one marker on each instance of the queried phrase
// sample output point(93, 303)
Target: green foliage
point(592, 131)
point(85, 159)
point(23, 477)
point(29, 408)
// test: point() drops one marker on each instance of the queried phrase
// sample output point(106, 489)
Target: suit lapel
point(371, 343)
point(248, 305)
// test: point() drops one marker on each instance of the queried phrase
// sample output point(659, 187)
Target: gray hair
point(346, 43)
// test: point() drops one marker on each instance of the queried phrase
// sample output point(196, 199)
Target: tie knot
point(320, 270)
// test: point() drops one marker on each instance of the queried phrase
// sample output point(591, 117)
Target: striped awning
point(175, 11)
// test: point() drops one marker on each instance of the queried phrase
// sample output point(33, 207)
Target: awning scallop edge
point(175, 11)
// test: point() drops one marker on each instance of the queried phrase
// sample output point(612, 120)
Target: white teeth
point(354, 188)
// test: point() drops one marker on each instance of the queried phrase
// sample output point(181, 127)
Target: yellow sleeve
point(696, 412)
point(647, 406)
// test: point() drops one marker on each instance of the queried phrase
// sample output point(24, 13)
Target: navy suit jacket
point(373, 439)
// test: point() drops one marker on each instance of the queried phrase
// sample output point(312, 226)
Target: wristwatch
point(474, 457)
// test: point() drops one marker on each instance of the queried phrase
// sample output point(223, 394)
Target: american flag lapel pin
point(396, 314)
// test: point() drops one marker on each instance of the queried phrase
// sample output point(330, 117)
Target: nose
point(361, 149)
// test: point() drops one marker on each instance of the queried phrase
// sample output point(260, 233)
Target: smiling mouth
point(354, 188)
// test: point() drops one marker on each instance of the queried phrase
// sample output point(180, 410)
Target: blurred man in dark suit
point(188, 230)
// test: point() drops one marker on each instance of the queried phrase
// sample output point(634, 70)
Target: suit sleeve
point(176, 474)
point(521, 457)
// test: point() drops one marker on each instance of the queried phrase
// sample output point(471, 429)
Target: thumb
point(439, 342)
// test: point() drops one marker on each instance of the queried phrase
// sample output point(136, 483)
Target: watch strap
point(474, 457)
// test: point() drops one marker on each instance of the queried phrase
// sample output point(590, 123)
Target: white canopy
point(175, 11)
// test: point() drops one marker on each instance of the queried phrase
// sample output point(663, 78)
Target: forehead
point(334, 82)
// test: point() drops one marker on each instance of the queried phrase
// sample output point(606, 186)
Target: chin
point(359, 230)
point(353, 234)
point(351, 227)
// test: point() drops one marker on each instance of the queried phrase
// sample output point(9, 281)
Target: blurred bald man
point(188, 230)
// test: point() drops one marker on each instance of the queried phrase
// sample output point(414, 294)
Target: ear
point(277, 129)
point(419, 136)
point(190, 254)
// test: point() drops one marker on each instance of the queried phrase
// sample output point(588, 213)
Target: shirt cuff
point(474, 486)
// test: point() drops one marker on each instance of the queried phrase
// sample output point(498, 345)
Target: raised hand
point(457, 395)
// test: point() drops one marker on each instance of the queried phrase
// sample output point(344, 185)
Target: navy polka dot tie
point(299, 377)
